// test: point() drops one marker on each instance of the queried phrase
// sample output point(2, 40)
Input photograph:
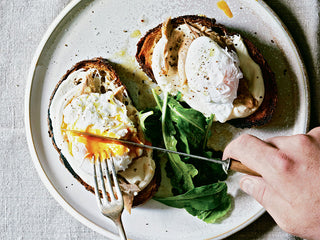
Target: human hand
point(289, 188)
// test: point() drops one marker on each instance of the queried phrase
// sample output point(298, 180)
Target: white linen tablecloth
point(27, 210)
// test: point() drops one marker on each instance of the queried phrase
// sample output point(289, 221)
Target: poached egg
point(100, 114)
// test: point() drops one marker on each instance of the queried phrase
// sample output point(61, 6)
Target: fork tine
point(115, 180)
point(96, 189)
point(104, 192)
point(114, 208)
point(105, 162)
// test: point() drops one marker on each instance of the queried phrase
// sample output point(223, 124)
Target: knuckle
point(244, 139)
point(282, 162)
point(303, 140)
point(240, 141)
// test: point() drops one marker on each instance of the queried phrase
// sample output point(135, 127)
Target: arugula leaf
point(200, 198)
point(213, 215)
point(190, 124)
point(182, 173)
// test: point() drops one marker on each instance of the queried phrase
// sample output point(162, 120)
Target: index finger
point(256, 154)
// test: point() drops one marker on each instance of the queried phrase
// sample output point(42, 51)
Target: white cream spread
point(252, 73)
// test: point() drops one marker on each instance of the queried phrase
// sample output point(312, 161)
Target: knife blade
point(228, 164)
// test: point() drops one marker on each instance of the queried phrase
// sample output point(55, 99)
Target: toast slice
point(108, 80)
point(209, 27)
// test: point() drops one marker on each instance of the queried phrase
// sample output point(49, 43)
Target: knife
point(228, 164)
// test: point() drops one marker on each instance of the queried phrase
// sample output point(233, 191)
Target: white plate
point(87, 29)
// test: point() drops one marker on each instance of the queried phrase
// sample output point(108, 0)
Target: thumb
point(254, 186)
point(271, 200)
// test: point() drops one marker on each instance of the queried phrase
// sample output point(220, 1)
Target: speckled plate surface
point(111, 29)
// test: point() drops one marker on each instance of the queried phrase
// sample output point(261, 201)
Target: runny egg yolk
point(98, 148)
point(99, 114)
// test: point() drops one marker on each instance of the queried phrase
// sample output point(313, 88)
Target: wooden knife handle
point(239, 167)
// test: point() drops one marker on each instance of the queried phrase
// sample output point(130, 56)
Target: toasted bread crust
point(102, 65)
point(264, 113)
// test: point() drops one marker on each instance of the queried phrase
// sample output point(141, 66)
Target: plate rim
point(32, 147)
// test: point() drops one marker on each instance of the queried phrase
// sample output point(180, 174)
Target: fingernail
point(247, 185)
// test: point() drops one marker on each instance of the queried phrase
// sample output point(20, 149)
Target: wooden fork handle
point(239, 167)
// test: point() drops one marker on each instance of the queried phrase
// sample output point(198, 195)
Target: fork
point(111, 206)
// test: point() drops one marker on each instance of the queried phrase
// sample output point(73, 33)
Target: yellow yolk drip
point(103, 150)
point(224, 7)
point(96, 147)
